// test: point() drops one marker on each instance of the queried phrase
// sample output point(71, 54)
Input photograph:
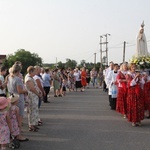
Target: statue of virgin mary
point(141, 46)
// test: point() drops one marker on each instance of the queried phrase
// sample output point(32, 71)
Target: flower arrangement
point(142, 62)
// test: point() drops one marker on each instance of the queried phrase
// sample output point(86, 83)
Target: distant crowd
point(20, 93)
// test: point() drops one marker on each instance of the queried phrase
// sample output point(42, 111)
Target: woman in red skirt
point(83, 78)
point(135, 101)
point(121, 105)
point(146, 94)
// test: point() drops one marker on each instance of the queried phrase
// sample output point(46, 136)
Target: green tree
point(83, 63)
point(70, 63)
point(25, 57)
point(61, 65)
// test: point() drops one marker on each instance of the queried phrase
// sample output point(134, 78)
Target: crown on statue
point(142, 25)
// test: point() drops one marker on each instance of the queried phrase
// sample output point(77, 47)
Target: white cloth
point(111, 77)
point(119, 80)
point(135, 81)
point(106, 74)
point(37, 77)
point(77, 76)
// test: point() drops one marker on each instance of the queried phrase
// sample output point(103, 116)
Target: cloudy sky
point(72, 28)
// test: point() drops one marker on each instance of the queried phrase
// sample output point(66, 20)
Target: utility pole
point(56, 65)
point(106, 51)
point(106, 35)
point(94, 59)
point(56, 60)
point(101, 51)
point(124, 47)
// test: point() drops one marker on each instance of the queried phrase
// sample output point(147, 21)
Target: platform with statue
point(142, 56)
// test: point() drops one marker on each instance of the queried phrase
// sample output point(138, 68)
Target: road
point(84, 121)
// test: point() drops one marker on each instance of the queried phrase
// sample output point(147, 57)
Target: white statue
point(141, 47)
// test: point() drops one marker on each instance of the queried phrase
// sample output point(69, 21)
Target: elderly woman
point(39, 83)
point(77, 75)
point(16, 86)
point(33, 94)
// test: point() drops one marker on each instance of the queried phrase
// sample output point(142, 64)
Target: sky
point(61, 29)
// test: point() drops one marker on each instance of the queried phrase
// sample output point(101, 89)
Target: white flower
point(141, 63)
point(147, 62)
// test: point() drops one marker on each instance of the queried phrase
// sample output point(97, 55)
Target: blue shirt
point(46, 80)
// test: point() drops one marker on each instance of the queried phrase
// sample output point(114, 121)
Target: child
point(5, 125)
point(14, 116)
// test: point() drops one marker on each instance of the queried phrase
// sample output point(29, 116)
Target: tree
point(25, 57)
point(83, 63)
point(61, 65)
point(70, 63)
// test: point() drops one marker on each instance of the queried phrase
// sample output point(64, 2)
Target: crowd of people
point(127, 87)
point(129, 91)
point(20, 93)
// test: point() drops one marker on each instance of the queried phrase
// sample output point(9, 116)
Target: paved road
point(84, 121)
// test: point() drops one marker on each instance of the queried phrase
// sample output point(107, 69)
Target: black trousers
point(105, 86)
point(113, 103)
point(46, 89)
point(2, 95)
point(109, 100)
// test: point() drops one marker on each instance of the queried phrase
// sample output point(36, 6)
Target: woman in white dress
point(33, 94)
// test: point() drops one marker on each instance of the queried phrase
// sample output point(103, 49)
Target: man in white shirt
point(112, 86)
point(107, 80)
point(104, 81)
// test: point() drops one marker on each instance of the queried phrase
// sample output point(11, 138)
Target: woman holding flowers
point(135, 102)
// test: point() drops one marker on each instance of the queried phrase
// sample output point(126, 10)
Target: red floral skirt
point(135, 104)
point(147, 96)
point(121, 105)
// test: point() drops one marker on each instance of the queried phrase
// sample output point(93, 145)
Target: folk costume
point(135, 101)
point(121, 105)
point(146, 94)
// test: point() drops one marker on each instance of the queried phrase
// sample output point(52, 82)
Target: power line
point(117, 46)
point(89, 57)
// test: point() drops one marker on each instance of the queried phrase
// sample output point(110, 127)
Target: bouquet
point(142, 62)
